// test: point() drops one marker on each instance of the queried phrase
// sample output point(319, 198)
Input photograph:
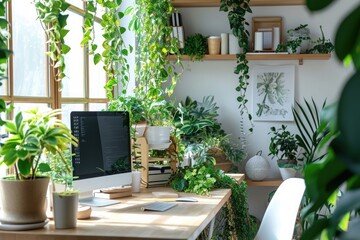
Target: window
point(30, 82)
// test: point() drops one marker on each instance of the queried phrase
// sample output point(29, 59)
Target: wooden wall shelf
point(300, 57)
point(264, 183)
point(216, 3)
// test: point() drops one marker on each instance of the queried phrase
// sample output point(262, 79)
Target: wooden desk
point(127, 221)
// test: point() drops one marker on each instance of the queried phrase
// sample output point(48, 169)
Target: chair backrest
point(279, 219)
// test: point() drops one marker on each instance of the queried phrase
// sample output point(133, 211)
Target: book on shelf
point(112, 195)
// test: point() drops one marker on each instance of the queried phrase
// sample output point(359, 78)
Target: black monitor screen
point(104, 143)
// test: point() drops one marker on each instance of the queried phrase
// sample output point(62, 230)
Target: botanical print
point(273, 92)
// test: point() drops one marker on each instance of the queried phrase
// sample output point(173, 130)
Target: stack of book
point(159, 175)
point(115, 192)
point(178, 29)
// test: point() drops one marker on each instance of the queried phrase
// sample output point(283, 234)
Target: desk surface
point(127, 221)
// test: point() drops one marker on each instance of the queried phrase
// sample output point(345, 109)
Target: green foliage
point(155, 75)
point(131, 104)
point(322, 45)
point(236, 14)
point(31, 135)
point(201, 179)
point(311, 133)
point(295, 38)
point(195, 46)
point(53, 19)
point(59, 169)
point(199, 130)
point(115, 53)
point(341, 164)
point(283, 146)
point(4, 36)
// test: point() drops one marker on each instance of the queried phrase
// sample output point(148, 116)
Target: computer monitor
point(102, 158)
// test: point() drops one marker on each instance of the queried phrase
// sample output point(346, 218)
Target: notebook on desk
point(97, 202)
point(158, 206)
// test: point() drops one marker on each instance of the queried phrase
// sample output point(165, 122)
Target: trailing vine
point(5, 53)
point(51, 14)
point(201, 179)
point(115, 51)
point(237, 10)
point(154, 44)
point(4, 36)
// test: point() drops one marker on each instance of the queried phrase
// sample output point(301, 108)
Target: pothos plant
point(53, 20)
point(204, 177)
point(5, 52)
point(236, 14)
point(115, 53)
point(154, 44)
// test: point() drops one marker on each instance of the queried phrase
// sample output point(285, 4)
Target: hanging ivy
point(154, 44)
point(237, 10)
point(53, 20)
point(115, 53)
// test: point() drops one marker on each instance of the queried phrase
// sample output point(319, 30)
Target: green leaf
point(120, 15)
point(90, 7)
point(348, 116)
point(44, 167)
point(64, 32)
point(322, 179)
point(64, 6)
point(315, 5)
point(22, 153)
point(62, 20)
point(97, 58)
point(18, 120)
point(315, 229)
point(65, 49)
point(24, 167)
point(10, 157)
point(348, 35)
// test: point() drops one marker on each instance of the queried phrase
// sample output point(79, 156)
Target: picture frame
point(273, 92)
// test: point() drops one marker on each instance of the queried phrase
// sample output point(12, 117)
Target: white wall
point(315, 78)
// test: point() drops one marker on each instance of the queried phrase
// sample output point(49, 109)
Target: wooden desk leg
point(211, 228)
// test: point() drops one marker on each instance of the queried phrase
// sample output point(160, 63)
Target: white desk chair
point(279, 220)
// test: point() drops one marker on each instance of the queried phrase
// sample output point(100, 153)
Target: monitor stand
point(96, 202)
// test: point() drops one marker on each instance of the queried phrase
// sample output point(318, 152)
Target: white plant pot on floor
point(287, 173)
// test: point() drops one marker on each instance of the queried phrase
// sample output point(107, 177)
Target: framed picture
point(273, 92)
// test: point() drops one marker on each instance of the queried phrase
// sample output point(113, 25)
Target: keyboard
point(158, 206)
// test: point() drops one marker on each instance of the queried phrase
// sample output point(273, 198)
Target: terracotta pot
point(23, 202)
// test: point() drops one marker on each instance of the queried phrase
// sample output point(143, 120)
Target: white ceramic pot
point(65, 210)
point(158, 134)
point(287, 173)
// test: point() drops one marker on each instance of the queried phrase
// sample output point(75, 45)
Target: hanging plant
point(237, 10)
point(53, 21)
point(115, 53)
point(154, 44)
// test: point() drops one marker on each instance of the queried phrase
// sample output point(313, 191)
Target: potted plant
point(136, 176)
point(297, 40)
point(195, 46)
point(322, 45)
point(64, 201)
point(160, 118)
point(136, 109)
point(204, 139)
point(31, 134)
point(284, 146)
